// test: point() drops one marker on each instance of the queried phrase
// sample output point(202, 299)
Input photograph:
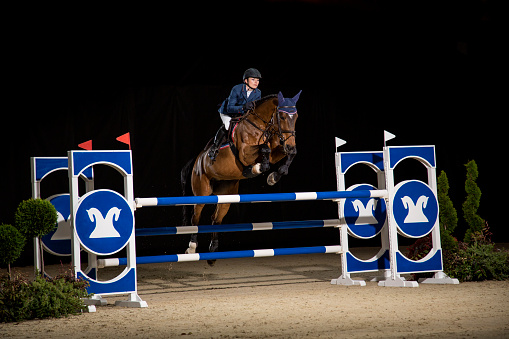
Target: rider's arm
point(235, 101)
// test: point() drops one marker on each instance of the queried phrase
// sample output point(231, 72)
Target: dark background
point(429, 72)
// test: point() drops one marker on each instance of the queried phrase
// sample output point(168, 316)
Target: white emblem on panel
point(104, 226)
point(63, 231)
point(415, 213)
point(365, 212)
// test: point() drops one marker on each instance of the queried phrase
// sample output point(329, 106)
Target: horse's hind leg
point(226, 187)
point(193, 243)
point(217, 218)
point(200, 185)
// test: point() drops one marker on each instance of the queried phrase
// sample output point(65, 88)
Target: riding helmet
point(251, 73)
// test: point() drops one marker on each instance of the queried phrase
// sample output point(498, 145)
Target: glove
point(248, 106)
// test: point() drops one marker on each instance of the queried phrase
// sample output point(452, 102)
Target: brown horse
point(262, 136)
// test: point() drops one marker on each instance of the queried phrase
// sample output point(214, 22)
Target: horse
point(262, 136)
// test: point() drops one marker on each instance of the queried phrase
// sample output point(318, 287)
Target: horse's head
point(287, 117)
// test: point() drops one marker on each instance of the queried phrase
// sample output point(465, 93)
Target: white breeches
point(226, 120)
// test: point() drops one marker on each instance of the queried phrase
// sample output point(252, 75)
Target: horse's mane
point(264, 99)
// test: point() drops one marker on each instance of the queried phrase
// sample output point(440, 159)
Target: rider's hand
point(248, 106)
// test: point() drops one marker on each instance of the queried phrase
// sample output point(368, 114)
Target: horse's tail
point(185, 176)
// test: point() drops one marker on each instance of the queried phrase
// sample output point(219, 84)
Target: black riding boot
point(214, 149)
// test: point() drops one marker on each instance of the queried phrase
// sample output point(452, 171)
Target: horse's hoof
point(214, 245)
point(273, 178)
point(192, 248)
point(257, 169)
point(283, 170)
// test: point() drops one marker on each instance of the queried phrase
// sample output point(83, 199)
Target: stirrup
point(213, 152)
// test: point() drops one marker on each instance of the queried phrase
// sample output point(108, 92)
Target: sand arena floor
point(281, 297)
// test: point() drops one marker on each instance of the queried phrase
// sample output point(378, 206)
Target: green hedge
point(21, 299)
point(35, 217)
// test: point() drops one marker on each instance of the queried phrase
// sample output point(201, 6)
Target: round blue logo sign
point(415, 208)
point(58, 241)
point(365, 217)
point(104, 222)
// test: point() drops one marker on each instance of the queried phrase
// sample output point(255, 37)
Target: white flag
point(388, 136)
point(340, 142)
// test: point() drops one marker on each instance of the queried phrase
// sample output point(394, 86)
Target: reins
point(270, 129)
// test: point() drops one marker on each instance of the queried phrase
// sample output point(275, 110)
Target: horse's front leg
point(259, 167)
point(265, 152)
point(274, 177)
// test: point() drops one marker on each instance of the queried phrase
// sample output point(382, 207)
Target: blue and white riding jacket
point(237, 99)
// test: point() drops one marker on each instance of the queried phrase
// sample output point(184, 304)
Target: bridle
point(272, 127)
point(281, 131)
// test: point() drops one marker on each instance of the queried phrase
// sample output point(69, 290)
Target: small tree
point(35, 218)
point(471, 204)
point(448, 214)
point(11, 245)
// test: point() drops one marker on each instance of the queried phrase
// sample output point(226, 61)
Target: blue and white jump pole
point(253, 198)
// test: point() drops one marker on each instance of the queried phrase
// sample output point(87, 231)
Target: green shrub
point(447, 215)
point(475, 260)
point(11, 245)
point(478, 262)
point(420, 248)
point(35, 217)
point(472, 201)
point(55, 298)
point(21, 299)
point(14, 299)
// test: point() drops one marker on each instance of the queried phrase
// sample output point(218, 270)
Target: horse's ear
point(280, 98)
point(295, 98)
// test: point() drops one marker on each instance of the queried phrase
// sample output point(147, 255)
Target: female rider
point(238, 103)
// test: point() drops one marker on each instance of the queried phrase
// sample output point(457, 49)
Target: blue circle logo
point(365, 217)
point(415, 208)
point(58, 241)
point(104, 222)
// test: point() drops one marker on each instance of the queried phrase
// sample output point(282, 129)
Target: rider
point(238, 103)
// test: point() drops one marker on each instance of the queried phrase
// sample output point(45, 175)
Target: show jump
point(102, 222)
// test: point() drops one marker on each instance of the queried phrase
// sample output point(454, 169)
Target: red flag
point(125, 138)
point(87, 145)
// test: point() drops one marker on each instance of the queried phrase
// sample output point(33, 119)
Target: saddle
point(228, 141)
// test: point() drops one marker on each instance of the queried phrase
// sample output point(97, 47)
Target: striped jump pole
point(252, 198)
point(111, 262)
point(257, 226)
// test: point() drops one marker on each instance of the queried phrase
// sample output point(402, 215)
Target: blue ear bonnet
point(288, 105)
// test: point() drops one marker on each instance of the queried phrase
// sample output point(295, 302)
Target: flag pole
point(339, 142)
point(125, 138)
point(388, 136)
